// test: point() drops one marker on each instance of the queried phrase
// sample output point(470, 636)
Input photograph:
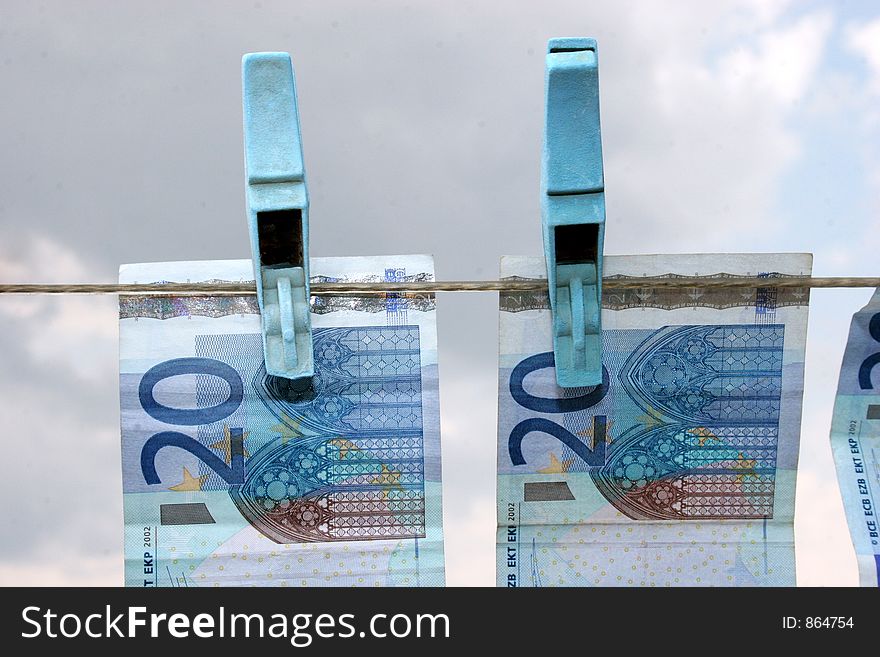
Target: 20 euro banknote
point(680, 468)
point(235, 477)
point(855, 438)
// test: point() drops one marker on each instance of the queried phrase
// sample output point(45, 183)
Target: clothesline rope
point(429, 287)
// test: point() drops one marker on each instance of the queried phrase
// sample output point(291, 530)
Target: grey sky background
point(727, 126)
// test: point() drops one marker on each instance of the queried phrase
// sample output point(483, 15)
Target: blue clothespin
point(573, 209)
point(278, 213)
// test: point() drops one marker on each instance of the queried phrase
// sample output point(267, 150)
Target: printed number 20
point(593, 457)
point(231, 474)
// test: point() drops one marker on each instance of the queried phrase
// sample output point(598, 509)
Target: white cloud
point(864, 40)
point(825, 555)
point(470, 544)
point(704, 144)
point(41, 260)
point(467, 422)
point(64, 570)
point(767, 12)
point(781, 65)
point(72, 332)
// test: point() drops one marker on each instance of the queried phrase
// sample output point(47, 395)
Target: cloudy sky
point(727, 126)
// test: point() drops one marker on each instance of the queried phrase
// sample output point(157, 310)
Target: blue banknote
point(680, 468)
point(235, 477)
point(855, 438)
